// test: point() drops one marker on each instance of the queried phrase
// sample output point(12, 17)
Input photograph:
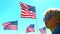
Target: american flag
point(27, 11)
point(30, 28)
point(12, 25)
point(43, 30)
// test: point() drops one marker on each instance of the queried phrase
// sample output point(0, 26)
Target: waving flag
point(12, 25)
point(30, 28)
point(43, 30)
point(27, 11)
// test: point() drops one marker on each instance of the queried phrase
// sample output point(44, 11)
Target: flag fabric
point(27, 11)
point(12, 25)
point(30, 28)
point(42, 30)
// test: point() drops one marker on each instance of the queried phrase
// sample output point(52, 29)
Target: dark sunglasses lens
point(47, 17)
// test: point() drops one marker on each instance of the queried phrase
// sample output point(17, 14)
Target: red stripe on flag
point(24, 5)
point(6, 24)
point(31, 15)
point(13, 27)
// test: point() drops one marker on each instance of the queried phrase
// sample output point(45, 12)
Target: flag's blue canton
point(32, 8)
point(44, 28)
point(32, 26)
point(47, 17)
point(14, 23)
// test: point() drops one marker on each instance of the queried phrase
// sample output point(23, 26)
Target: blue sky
point(10, 11)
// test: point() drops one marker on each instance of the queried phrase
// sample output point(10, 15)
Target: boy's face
point(50, 22)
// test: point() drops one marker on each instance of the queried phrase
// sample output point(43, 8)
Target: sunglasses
point(47, 17)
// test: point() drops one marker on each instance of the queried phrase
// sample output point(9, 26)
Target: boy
point(52, 20)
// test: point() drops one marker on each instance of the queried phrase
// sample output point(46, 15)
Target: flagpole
point(17, 27)
point(36, 24)
point(17, 30)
